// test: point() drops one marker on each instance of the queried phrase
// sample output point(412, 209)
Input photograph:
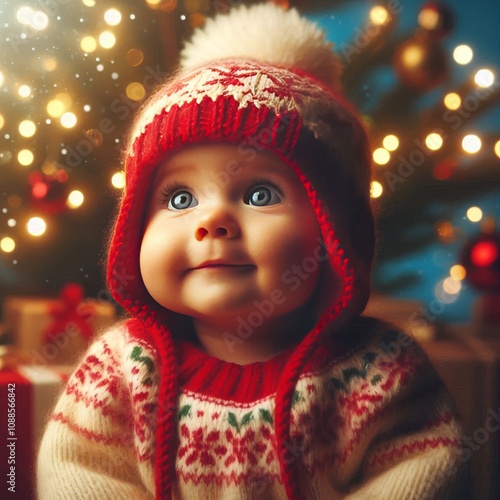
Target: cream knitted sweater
point(370, 420)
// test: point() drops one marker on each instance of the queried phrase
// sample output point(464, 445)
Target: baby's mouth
point(222, 264)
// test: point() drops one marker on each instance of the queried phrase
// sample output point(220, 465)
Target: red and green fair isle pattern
point(336, 414)
point(353, 416)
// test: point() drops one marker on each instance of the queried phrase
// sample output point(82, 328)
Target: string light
point(75, 199)
point(452, 101)
point(7, 244)
point(434, 141)
point(113, 17)
point(27, 128)
point(429, 19)
point(25, 157)
point(474, 214)
point(451, 286)
point(376, 189)
point(24, 91)
point(497, 146)
point(11, 223)
point(381, 156)
point(68, 120)
point(36, 226)
point(379, 15)
point(107, 40)
point(412, 56)
point(135, 91)
point(471, 143)
point(55, 108)
point(463, 54)
point(118, 180)
point(484, 78)
point(458, 272)
point(390, 142)
point(447, 291)
point(88, 44)
point(36, 19)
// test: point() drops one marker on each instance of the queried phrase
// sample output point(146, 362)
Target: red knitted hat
point(263, 79)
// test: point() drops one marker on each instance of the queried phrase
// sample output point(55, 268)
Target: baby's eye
point(262, 196)
point(182, 200)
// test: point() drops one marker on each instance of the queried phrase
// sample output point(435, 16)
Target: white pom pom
point(268, 34)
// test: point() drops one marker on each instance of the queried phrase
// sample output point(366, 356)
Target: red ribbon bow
point(70, 316)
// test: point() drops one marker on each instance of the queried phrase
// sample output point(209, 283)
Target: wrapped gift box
point(27, 394)
point(28, 320)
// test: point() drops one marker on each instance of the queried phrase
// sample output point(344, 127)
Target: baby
point(242, 254)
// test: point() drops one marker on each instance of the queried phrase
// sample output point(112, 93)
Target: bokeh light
point(27, 128)
point(49, 63)
point(88, 43)
point(484, 253)
point(36, 19)
point(381, 156)
point(25, 157)
point(113, 17)
point(484, 78)
point(55, 108)
point(135, 91)
point(452, 286)
point(429, 19)
point(471, 143)
point(376, 189)
point(24, 91)
point(452, 101)
point(379, 15)
point(118, 180)
point(434, 141)
point(36, 226)
point(390, 142)
point(68, 120)
point(497, 147)
point(463, 54)
point(474, 214)
point(7, 244)
point(447, 291)
point(458, 272)
point(135, 57)
point(75, 199)
point(107, 40)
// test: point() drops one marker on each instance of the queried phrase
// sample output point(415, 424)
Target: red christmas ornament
point(48, 193)
point(481, 259)
point(421, 63)
point(436, 18)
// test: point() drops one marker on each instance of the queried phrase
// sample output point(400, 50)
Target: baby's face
point(225, 235)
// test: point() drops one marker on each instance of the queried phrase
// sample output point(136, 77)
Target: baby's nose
point(217, 222)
